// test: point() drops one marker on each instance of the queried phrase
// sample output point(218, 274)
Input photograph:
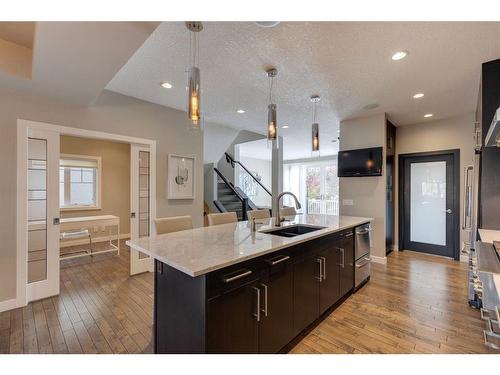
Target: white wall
point(452, 133)
point(216, 140)
point(367, 193)
point(111, 113)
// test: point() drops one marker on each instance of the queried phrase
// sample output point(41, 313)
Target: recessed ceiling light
point(399, 55)
point(240, 111)
point(267, 24)
point(371, 106)
point(428, 115)
point(418, 95)
point(284, 127)
point(166, 85)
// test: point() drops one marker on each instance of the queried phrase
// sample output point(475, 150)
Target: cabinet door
point(305, 292)
point(276, 325)
point(329, 288)
point(233, 321)
point(347, 264)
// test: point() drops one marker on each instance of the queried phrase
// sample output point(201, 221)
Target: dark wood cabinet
point(306, 276)
point(346, 280)
point(257, 306)
point(233, 325)
point(329, 290)
point(276, 324)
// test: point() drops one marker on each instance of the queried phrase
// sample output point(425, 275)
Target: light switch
point(347, 202)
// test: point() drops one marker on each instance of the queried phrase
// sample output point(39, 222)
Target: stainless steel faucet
point(277, 216)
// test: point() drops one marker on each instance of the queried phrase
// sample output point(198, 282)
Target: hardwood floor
point(415, 304)
point(100, 310)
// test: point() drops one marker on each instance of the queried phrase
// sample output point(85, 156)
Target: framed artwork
point(180, 177)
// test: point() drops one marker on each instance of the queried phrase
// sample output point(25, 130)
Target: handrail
point(229, 185)
point(239, 194)
point(231, 160)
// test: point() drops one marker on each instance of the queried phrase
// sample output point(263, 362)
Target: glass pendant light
point(272, 126)
point(194, 90)
point(315, 126)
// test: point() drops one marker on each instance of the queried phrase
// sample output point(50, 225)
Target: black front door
point(429, 202)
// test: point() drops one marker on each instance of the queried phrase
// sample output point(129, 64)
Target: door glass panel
point(331, 190)
point(428, 202)
point(313, 190)
point(37, 210)
point(144, 203)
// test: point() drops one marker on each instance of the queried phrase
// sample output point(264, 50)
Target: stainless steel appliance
point(362, 250)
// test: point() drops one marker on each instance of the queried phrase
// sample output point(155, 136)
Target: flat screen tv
point(361, 162)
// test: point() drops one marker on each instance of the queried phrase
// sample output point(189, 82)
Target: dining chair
point(222, 218)
point(173, 224)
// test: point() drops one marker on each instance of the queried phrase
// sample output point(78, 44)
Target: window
point(315, 184)
point(79, 182)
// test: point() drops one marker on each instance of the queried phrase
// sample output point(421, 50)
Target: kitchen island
point(226, 289)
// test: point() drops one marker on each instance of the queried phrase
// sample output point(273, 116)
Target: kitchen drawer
point(362, 270)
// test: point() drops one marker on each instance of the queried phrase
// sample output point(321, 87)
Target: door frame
point(21, 206)
point(138, 265)
point(455, 153)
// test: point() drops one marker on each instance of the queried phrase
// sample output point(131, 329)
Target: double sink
point(293, 230)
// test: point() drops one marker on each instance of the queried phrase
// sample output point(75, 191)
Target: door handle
point(56, 221)
point(448, 211)
point(132, 215)
point(320, 262)
point(324, 267)
point(342, 251)
point(257, 314)
point(264, 309)
point(278, 260)
point(231, 277)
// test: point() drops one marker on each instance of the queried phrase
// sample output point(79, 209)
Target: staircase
point(231, 198)
point(228, 199)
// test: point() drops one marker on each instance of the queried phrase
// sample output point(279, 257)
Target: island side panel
point(179, 311)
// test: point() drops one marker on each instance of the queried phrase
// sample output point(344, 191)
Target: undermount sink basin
point(293, 230)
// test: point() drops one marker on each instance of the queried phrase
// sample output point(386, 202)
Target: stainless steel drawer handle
point(365, 262)
point(278, 260)
point(256, 315)
point(264, 309)
point(363, 231)
point(323, 260)
point(320, 262)
point(342, 251)
point(348, 235)
point(228, 279)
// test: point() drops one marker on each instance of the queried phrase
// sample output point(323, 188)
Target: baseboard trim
point(381, 260)
point(94, 240)
point(8, 305)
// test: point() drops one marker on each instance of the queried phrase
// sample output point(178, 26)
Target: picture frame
point(181, 176)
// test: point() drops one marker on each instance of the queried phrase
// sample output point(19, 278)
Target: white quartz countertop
point(489, 235)
point(202, 250)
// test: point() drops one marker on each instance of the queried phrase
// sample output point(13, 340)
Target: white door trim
point(138, 265)
point(21, 232)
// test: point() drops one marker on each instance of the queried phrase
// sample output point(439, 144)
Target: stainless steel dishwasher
point(362, 249)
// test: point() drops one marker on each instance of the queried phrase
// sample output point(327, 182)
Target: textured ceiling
point(348, 64)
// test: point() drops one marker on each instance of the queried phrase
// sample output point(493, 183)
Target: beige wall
point(111, 113)
point(115, 176)
point(368, 193)
point(452, 133)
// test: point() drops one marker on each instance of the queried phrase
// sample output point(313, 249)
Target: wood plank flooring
point(416, 303)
